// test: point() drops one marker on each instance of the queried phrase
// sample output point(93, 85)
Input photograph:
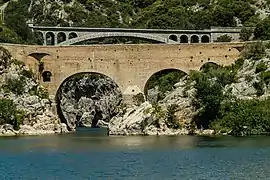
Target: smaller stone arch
point(50, 38)
point(209, 65)
point(164, 80)
point(194, 39)
point(173, 37)
point(205, 39)
point(72, 35)
point(61, 37)
point(183, 39)
point(46, 76)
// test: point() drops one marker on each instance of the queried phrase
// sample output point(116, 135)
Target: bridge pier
point(44, 38)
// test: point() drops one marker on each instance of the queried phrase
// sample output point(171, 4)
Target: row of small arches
point(61, 37)
point(192, 39)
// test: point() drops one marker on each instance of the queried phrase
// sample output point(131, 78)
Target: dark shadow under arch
point(194, 39)
point(61, 37)
point(50, 38)
point(38, 55)
point(117, 40)
point(154, 38)
point(206, 67)
point(72, 35)
point(164, 80)
point(205, 39)
point(90, 92)
point(46, 76)
point(184, 39)
point(173, 37)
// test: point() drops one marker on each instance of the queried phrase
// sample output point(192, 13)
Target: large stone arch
point(153, 73)
point(116, 34)
point(69, 77)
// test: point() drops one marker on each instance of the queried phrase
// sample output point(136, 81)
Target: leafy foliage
point(27, 73)
point(262, 30)
point(9, 114)
point(244, 117)
point(261, 67)
point(165, 81)
point(265, 76)
point(255, 51)
point(167, 14)
point(209, 84)
point(223, 112)
point(138, 99)
point(15, 85)
point(245, 34)
point(172, 121)
point(224, 38)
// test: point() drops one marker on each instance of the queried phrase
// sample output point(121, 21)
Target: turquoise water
point(84, 156)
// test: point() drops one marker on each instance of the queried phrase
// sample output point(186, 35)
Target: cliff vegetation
point(167, 14)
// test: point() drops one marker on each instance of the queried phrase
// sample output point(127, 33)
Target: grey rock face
point(152, 95)
point(38, 117)
point(87, 99)
point(244, 88)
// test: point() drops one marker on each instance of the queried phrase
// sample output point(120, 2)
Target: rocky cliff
point(25, 107)
point(178, 112)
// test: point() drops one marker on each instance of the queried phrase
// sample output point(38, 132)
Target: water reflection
point(90, 142)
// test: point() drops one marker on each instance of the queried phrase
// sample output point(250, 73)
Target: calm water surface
point(84, 156)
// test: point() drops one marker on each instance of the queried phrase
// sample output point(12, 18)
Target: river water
point(88, 156)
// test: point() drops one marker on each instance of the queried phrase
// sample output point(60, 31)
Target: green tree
point(262, 30)
point(245, 34)
point(224, 38)
point(9, 113)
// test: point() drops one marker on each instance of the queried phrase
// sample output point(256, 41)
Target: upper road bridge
point(75, 35)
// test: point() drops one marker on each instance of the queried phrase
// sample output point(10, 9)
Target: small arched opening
point(173, 37)
point(38, 36)
point(72, 35)
point(94, 98)
point(205, 39)
point(184, 39)
point(50, 38)
point(194, 39)
point(46, 76)
point(161, 82)
point(61, 37)
point(209, 66)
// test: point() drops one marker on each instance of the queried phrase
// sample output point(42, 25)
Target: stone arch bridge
point(74, 35)
point(130, 66)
